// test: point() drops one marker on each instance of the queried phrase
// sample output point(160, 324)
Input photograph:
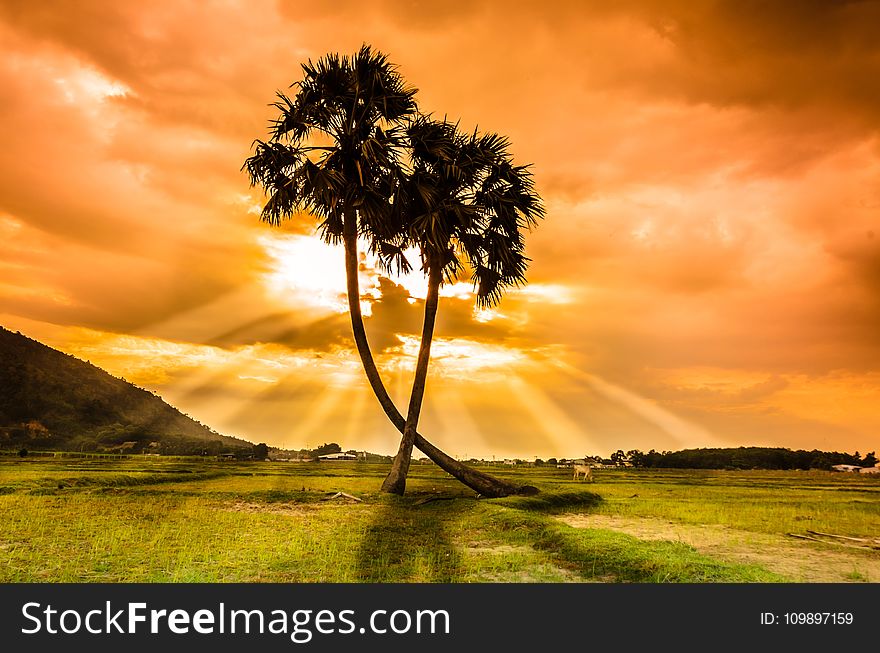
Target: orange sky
point(708, 273)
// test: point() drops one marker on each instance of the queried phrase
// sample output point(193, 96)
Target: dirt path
point(800, 561)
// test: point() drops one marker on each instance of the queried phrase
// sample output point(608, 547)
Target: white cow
point(585, 470)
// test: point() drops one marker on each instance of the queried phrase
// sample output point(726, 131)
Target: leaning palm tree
point(465, 206)
point(357, 104)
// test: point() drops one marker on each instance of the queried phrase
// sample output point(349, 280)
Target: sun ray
point(456, 422)
point(401, 392)
point(354, 425)
point(255, 395)
point(313, 421)
point(208, 320)
point(684, 432)
point(561, 432)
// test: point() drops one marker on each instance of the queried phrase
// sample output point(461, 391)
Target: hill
point(52, 400)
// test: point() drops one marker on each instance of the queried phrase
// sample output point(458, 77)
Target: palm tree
point(465, 206)
point(357, 104)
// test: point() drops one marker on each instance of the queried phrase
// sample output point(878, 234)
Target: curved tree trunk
point(484, 484)
point(395, 482)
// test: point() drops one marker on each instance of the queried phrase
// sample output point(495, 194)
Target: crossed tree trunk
point(484, 484)
point(396, 480)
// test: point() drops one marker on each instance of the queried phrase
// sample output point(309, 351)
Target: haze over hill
point(51, 400)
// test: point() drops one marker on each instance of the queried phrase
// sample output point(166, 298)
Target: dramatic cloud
point(708, 272)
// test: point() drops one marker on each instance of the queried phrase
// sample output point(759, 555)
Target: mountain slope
point(51, 400)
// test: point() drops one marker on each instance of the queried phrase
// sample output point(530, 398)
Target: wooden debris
point(816, 539)
point(343, 495)
point(864, 547)
point(865, 540)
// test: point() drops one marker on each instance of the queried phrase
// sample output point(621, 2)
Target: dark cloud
point(786, 53)
point(396, 313)
point(322, 334)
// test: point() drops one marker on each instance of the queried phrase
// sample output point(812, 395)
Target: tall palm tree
point(465, 206)
point(357, 104)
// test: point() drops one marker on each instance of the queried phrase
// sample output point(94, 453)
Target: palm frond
point(468, 205)
point(357, 103)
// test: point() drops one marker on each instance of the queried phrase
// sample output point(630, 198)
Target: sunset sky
point(708, 272)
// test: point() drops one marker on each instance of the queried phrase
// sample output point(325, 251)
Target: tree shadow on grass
point(408, 542)
point(552, 502)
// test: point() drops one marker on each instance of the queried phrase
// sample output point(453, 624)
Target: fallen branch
point(344, 495)
point(846, 537)
point(821, 541)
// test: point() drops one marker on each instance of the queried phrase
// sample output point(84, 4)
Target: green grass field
point(182, 520)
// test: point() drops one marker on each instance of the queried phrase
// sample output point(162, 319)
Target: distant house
point(846, 468)
point(338, 456)
point(566, 463)
point(870, 470)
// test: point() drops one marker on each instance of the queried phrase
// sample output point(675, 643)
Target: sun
point(304, 272)
point(301, 271)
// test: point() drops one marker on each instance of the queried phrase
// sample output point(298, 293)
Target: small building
point(846, 468)
point(338, 456)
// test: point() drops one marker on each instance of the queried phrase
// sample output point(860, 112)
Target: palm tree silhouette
point(465, 205)
point(358, 104)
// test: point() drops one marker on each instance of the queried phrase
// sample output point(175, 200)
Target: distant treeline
point(328, 448)
point(742, 458)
